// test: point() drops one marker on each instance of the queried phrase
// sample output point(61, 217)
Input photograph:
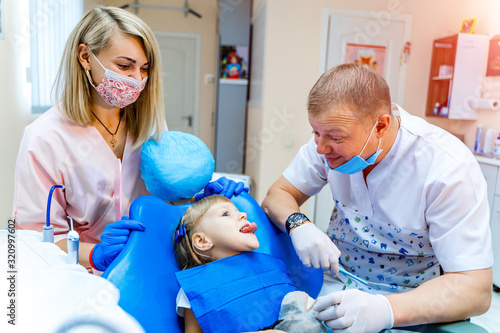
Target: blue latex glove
point(222, 186)
point(113, 240)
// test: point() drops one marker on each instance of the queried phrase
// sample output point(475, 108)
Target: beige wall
point(291, 67)
point(15, 104)
point(292, 47)
point(206, 27)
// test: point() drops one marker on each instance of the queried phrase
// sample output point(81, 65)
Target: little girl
point(225, 287)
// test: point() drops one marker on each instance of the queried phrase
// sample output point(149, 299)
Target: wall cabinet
point(491, 171)
point(457, 68)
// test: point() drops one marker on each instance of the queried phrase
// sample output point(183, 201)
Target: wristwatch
point(294, 220)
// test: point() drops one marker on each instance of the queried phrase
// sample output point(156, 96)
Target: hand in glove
point(222, 186)
point(315, 248)
point(355, 311)
point(113, 240)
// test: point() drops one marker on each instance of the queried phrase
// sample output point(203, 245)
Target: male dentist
point(411, 215)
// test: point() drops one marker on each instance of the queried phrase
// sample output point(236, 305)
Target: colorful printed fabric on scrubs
point(387, 257)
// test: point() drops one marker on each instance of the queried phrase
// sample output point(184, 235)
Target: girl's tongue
point(249, 228)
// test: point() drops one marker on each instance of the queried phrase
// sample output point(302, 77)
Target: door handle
point(190, 120)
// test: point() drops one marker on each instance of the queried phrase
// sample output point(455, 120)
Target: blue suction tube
point(48, 230)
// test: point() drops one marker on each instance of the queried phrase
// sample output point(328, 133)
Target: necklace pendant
point(113, 141)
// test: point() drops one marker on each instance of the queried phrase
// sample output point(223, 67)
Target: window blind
point(51, 22)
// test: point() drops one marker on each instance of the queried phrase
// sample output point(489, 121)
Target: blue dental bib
point(240, 293)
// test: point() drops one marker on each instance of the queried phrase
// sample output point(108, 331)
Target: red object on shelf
point(493, 65)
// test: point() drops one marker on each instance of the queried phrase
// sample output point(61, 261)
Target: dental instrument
point(352, 276)
point(72, 243)
point(48, 230)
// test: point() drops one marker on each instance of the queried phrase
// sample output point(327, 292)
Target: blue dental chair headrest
point(144, 272)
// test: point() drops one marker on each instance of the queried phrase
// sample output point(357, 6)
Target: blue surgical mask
point(357, 164)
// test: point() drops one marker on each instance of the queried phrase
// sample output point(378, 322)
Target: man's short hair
point(359, 88)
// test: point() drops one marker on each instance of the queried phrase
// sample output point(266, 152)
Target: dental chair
point(144, 271)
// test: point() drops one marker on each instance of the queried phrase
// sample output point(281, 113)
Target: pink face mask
point(117, 89)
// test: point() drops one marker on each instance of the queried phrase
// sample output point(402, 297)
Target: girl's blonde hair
point(185, 253)
point(72, 89)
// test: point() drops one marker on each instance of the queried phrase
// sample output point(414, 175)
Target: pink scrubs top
point(54, 150)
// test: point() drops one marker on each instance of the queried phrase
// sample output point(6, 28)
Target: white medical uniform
point(54, 150)
point(422, 208)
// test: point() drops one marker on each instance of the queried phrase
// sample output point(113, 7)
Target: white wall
point(14, 97)
point(291, 67)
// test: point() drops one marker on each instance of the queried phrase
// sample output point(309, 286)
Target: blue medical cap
point(176, 167)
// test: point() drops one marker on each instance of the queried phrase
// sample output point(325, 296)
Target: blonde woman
point(109, 102)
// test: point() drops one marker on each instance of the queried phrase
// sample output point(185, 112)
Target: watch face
point(294, 220)
point(296, 217)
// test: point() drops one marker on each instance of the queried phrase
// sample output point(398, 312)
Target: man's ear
point(383, 125)
point(201, 242)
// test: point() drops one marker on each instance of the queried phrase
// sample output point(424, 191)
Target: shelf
point(436, 116)
point(443, 54)
point(442, 78)
point(457, 61)
point(487, 158)
point(443, 45)
point(236, 82)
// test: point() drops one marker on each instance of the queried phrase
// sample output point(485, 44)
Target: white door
point(375, 39)
point(180, 54)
